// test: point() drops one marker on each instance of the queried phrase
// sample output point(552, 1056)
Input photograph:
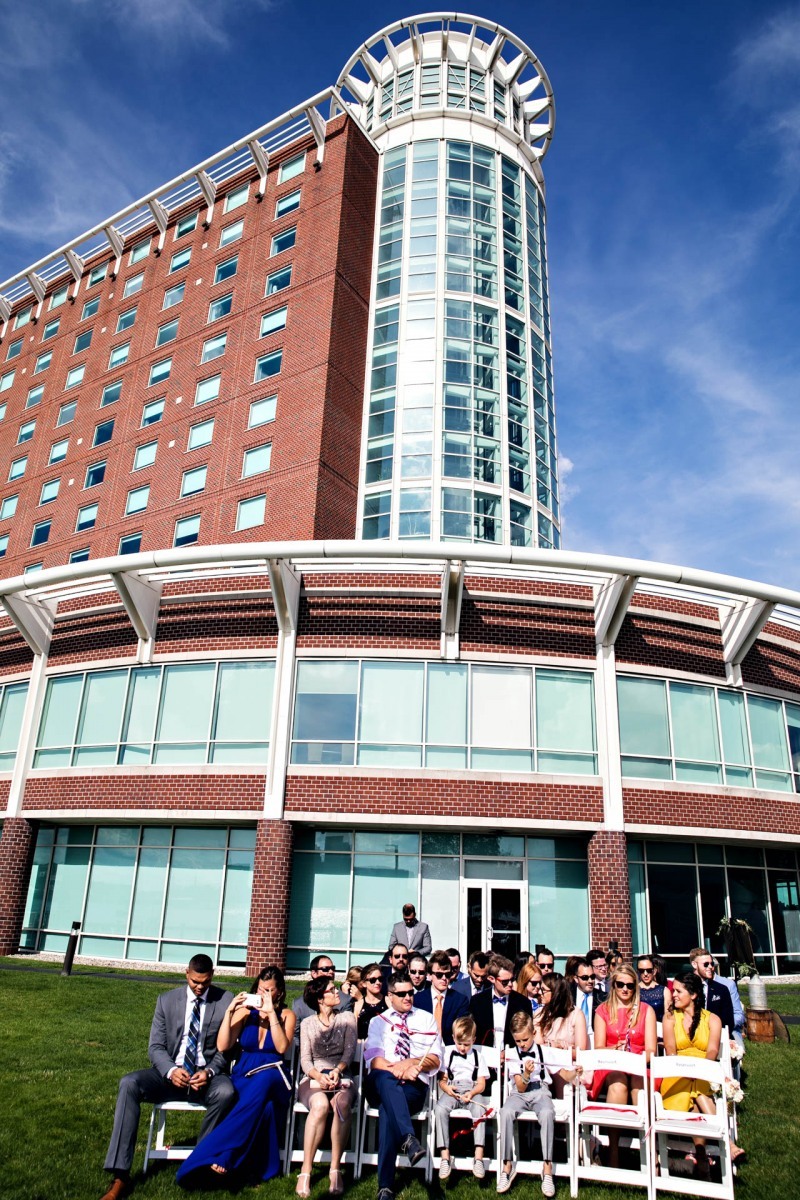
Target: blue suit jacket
point(455, 1005)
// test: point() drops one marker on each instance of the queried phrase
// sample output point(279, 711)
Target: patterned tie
point(403, 1048)
point(193, 1040)
point(438, 1013)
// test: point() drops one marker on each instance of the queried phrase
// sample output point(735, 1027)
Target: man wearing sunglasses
point(441, 999)
point(320, 967)
point(412, 932)
point(493, 1008)
point(399, 955)
point(418, 972)
point(717, 998)
point(586, 998)
point(402, 1051)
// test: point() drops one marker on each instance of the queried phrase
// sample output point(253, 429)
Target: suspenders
point(457, 1053)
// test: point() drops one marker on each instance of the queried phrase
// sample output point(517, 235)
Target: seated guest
point(570, 967)
point(477, 967)
point(440, 999)
point(689, 1029)
point(411, 933)
point(464, 1076)
point(250, 1137)
point(418, 972)
point(327, 1049)
point(613, 960)
point(559, 1023)
point(455, 962)
point(716, 998)
point(739, 1018)
point(398, 956)
point(584, 995)
point(186, 1065)
point(402, 1050)
point(350, 988)
point(597, 961)
point(527, 1090)
point(650, 991)
point(523, 958)
point(545, 960)
point(622, 1022)
point(372, 1000)
point(494, 1007)
point(320, 967)
point(529, 984)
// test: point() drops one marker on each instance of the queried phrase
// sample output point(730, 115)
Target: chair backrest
point(684, 1066)
point(612, 1060)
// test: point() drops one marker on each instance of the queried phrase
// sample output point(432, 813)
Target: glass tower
point(459, 424)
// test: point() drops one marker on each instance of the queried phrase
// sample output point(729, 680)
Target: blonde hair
point(520, 1021)
point(612, 1002)
point(464, 1029)
point(353, 975)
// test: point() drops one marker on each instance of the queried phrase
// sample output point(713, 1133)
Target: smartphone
point(252, 1001)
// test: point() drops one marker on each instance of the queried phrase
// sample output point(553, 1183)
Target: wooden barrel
point(760, 1025)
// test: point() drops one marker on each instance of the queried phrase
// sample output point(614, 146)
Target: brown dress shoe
point(118, 1189)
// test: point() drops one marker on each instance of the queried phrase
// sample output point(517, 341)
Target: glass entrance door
point(494, 916)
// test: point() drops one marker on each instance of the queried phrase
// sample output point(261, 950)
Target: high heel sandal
point(336, 1183)
point(303, 1184)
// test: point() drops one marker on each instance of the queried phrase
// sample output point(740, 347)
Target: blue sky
point(674, 223)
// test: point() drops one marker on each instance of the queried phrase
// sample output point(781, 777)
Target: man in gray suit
point(411, 932)
point(186, 1066)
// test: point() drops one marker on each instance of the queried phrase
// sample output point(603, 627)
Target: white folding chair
point(158, 1123)
point(492, 1099)
point(731, 1072)
point(555, 1060)
point(666, 1125)
point(369, 1114)
point(294, 1153)
point(595, 1118)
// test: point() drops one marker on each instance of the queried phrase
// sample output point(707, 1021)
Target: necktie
point(192, 1042)
point(438, 1013)
point(585, 1007)
point(403, 1048)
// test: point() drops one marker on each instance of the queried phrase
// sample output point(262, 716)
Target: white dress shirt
point(385, 1029)
point(499, 1014)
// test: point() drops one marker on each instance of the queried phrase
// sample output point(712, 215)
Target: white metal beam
point(741, 628)
point(76, 266)
point(318, 129)
point(161, 218)
point(261, 159)
point(33, 619)
point(495, 51)
point(611, 605)
point(117, 244)
point(141, 600)
point(37, 286)
point(209, 190)
point(5, 309)
point(452, 595)
point(391, 52)
point(284, 584)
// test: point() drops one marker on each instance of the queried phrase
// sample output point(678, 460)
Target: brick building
point(289, 638)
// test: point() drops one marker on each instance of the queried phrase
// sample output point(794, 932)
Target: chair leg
point(149, 1141)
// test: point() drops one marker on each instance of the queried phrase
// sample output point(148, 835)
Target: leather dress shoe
point(118, 1189)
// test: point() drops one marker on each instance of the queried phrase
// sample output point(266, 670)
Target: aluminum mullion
point(134, 880)
point(222, 891)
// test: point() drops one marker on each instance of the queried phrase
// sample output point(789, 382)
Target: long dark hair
point(280, 983)
point(559, 1005)
point(694, 986)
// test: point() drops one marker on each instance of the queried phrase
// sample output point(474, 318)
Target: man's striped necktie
point(193, 1041)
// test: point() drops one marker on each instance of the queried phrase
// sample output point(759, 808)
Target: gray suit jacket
point(166, 1032)
point(417, 938)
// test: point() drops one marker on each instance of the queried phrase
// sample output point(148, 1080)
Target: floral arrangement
point(732, 1090)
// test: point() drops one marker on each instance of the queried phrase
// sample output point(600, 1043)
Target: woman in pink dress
point(559, 1023)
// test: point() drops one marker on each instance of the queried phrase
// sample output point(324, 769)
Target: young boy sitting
point(528, 1091)
point(463, 1076)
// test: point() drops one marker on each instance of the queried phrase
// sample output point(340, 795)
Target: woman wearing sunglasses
point(650, 990)
point(372, 1000)
point(622, 1022)
point(529, 984)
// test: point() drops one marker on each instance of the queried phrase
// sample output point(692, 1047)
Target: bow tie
point(499, 999)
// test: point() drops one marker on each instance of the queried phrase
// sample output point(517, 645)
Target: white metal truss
point(611, 605)
point(452, 595)
point(742, 626)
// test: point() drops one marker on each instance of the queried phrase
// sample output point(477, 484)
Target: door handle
point(489, 934)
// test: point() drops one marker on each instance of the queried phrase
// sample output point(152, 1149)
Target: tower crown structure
point(459, 439)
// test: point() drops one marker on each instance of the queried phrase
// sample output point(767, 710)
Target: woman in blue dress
point(249, 1138)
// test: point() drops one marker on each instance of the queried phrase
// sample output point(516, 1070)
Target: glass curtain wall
point(12, 706)
point(151, 892)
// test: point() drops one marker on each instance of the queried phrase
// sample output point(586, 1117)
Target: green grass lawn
point(69, 1040)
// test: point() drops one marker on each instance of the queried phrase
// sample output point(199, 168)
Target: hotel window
point(200, 435)
point(49, 491)
point(269, 365)
point(95, 474)
point(207, 389)
point(29, 568)
point(90, 308)
point(8, 507)
point(6, 380)
point(87, 516)
point(59, 296)
point(34, 396)
point(262, 411)
point(273, 321)
point(145, 456)
point(26, 432)
point(231, 233)
point(256, 460)
point(14, 350)
point(97, 274)
point(140, 251)
point(226, 269)
point(81, 555)
point(3, 544)
point(220, 307)
point(2, 411)
point(51, 329)
point(126, 320)
point(75, 376)
point(103, 433)
point(287, 204)
point(236, 198)
point(137, 500)
point(119, 355)
point(291, 168)
point(160, 371)
point(187, 531)
point(41, 532)
point(23, 316)
point(42, 363)
point(67, 412)
point(283, 241)
point(250, 513)
point(152, 412)
point(58, 451)
point(186, 225)
point(83, 341)
point(167, 333)
point(174, 295)
point(193, 481)
point(18, 468)
point(111, 393)
point(132, 285)
point(130, 544)
point(278, 280)
point(214, 347)
point(180, 259)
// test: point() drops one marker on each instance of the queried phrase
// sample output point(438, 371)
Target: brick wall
point(15, 653)
point(354, 621)
point(207, 625)
point(195, 794)
point(269, 906)
point(770, 665)
point(17, 844)
point(670, 645)
point(677, 809)
point(608, 889)
point(487, 626)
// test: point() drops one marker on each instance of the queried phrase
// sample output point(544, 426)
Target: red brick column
point(16, 854)
point(269, 906)
point(608, 891)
